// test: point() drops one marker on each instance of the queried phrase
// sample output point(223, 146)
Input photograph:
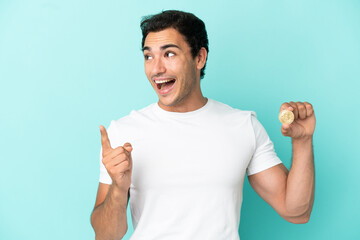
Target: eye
point(169, 54)
point(147, 57)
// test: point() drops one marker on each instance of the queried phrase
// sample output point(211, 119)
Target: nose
point(159, 66)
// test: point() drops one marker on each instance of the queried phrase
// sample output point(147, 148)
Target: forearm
point(301, 179)
point(109, 219)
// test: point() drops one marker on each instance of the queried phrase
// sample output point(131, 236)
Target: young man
point(182, 161)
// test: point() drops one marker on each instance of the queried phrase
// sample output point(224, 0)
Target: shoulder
point(134, 117)
point(124, 128)
point(229, 112)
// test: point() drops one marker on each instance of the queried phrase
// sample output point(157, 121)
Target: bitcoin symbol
point(286, 116)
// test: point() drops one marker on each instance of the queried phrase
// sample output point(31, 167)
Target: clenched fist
point(118, 162)
point(304, 120)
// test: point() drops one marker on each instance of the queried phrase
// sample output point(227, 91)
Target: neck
point(186, 105)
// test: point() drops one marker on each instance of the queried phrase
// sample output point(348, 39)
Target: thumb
point(128, 147)
point(286, 129)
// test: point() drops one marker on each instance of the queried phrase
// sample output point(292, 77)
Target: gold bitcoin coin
point(286, 116)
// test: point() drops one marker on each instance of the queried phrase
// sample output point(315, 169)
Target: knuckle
point(126, 164)
point(123, 156)
point(285, 105)
point(119, 149)
point(293, 105)
point(108, 167)
point(308, 105)
point(113, 171)
point(120, 158)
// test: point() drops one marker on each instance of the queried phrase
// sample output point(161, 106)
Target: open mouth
point(164, 85)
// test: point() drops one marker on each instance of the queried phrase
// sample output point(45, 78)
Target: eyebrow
point(162, 47)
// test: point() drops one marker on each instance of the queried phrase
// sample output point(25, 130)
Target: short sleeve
point(264, 155)
point(104, 175)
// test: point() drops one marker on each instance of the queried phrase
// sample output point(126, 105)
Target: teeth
point(163, 81)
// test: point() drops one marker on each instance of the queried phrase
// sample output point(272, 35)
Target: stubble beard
point(180, 98)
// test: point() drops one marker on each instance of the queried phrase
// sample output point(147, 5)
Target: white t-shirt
point(189, 169)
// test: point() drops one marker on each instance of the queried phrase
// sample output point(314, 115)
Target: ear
point(201, 58)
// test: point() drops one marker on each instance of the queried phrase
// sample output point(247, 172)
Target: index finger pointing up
point(105, 142)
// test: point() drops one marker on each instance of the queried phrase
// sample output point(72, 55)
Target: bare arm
point(271, 186)
point(109, 218)
point(301, 179)
point(291, 194)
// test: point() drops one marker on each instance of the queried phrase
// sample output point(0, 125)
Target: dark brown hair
point(187, 24)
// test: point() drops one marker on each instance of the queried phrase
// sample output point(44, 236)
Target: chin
point(167, 102)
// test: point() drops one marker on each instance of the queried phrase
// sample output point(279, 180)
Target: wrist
point(303, 141)
point(118, 190)
point(118, 195)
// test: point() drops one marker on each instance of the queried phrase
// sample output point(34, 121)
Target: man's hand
point(118, 162)
point(304, 120)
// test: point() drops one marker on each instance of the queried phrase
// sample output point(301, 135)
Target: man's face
point(168, 57)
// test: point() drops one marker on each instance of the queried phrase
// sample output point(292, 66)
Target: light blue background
point(68, 66)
